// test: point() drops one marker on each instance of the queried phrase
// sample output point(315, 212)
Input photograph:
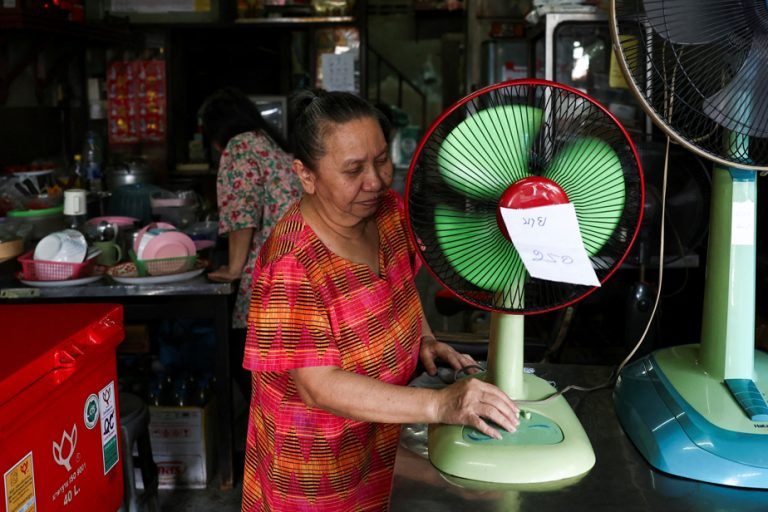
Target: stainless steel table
point(620, 480)
point(194, 298)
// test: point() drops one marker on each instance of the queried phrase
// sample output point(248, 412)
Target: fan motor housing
point(529, 192)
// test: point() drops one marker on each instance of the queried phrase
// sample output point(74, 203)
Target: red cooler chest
point(59, 424)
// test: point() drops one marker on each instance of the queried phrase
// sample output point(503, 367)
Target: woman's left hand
point(432, 350)
point(224, 274)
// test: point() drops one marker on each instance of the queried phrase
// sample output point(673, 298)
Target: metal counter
point(193, 298)
point(621, 479)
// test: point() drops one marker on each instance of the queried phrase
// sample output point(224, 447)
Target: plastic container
point(59, 423)
point(43, 222)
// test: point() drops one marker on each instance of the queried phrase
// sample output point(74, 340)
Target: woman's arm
point(239, 246)
point(467, 402)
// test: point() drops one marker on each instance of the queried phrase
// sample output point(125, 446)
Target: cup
point(75, 202)
point(111, 253)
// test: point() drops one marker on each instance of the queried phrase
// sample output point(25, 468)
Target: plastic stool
point(134, 426)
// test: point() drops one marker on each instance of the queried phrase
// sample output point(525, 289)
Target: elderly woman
point(336, 328)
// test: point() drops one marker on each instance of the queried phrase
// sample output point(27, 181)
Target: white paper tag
point(743, 223)
point(549, 242)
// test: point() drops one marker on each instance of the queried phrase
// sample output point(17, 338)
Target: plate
point(126, 273)
point(171, 244)
point(154, 225)
point(116, 220)
point(62, 283)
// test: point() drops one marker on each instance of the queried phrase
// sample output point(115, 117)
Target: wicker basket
point(164, 266)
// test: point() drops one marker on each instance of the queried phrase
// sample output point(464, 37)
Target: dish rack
point(163, 266)
point(41, 270)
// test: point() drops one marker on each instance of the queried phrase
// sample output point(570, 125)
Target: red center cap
point(529, 192)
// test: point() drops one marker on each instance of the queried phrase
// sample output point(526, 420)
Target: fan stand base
point(685, 422)
point(550, 445)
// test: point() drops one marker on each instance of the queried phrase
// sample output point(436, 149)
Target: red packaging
point(59, 423)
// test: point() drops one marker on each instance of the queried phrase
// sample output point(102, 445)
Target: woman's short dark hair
point(313, 110)
point(229, 112)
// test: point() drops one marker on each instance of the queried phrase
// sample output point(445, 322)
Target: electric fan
point(524, 145)
point(700, 70)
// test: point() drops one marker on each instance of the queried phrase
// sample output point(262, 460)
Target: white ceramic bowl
point(67, 246)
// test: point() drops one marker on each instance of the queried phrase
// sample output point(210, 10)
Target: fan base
point(550, 445)
point(686, 422)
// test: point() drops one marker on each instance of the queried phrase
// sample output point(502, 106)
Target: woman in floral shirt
point(254, 187)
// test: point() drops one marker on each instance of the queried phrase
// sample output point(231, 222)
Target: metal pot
point(129, 172)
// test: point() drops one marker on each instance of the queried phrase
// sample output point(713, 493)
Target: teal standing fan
point(520, 145)
point(699, 68)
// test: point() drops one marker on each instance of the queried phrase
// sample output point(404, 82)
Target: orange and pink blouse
point(310, 307)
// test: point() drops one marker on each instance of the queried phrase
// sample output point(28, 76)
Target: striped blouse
point(310, 307)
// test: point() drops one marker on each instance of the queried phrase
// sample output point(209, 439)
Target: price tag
point(743, 223)
point(549, 242)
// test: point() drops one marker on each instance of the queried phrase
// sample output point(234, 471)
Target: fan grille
point(567, 121)
point(700, 70)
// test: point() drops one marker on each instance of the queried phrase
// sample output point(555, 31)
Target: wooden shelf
point(300, 21)
point(92, 32)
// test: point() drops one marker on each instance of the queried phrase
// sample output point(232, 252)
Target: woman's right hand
point(474, 402)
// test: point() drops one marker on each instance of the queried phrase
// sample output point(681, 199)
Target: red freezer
point(59, 425)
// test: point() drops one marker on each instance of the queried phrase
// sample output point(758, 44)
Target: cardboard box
point(182, 445)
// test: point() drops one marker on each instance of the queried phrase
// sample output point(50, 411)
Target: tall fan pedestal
point(689, 424)
point(549, 445)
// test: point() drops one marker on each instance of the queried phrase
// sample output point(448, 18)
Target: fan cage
point(700, 71)
point(569, 115)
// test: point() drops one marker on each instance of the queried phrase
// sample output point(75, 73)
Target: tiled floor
point(205, 500)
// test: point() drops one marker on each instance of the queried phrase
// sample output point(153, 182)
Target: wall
point(416, 48)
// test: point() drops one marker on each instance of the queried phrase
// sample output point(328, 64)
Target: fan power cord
point(616, 371)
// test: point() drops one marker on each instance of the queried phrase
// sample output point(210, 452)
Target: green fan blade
point(478, 251)
point(488, 151)
point(590, 172)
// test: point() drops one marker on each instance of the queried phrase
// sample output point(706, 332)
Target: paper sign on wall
point(549, 242)
point(339, 71)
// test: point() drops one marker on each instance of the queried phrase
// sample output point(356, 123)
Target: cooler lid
point(37, 339)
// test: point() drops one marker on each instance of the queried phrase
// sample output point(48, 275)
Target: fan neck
point(530, 192)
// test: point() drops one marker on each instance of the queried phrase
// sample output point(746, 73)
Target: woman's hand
point(224, 275)
point(474, 402)
point(432, 350)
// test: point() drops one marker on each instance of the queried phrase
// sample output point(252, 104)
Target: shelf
point(301, 21)
point(252, 23)
point(92, 32)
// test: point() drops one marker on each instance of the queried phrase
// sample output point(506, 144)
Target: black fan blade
point(742, 105)
point(695, 21)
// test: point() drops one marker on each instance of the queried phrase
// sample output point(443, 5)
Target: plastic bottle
point(92, 162)
point(78, 171)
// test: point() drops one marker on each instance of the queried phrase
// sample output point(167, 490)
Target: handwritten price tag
point(549, 242)
point(743, 223)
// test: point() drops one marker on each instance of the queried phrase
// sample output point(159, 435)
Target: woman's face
point(353, 173)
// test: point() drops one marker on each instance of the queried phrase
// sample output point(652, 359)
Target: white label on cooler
point(20, 486)
point(109, 426)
